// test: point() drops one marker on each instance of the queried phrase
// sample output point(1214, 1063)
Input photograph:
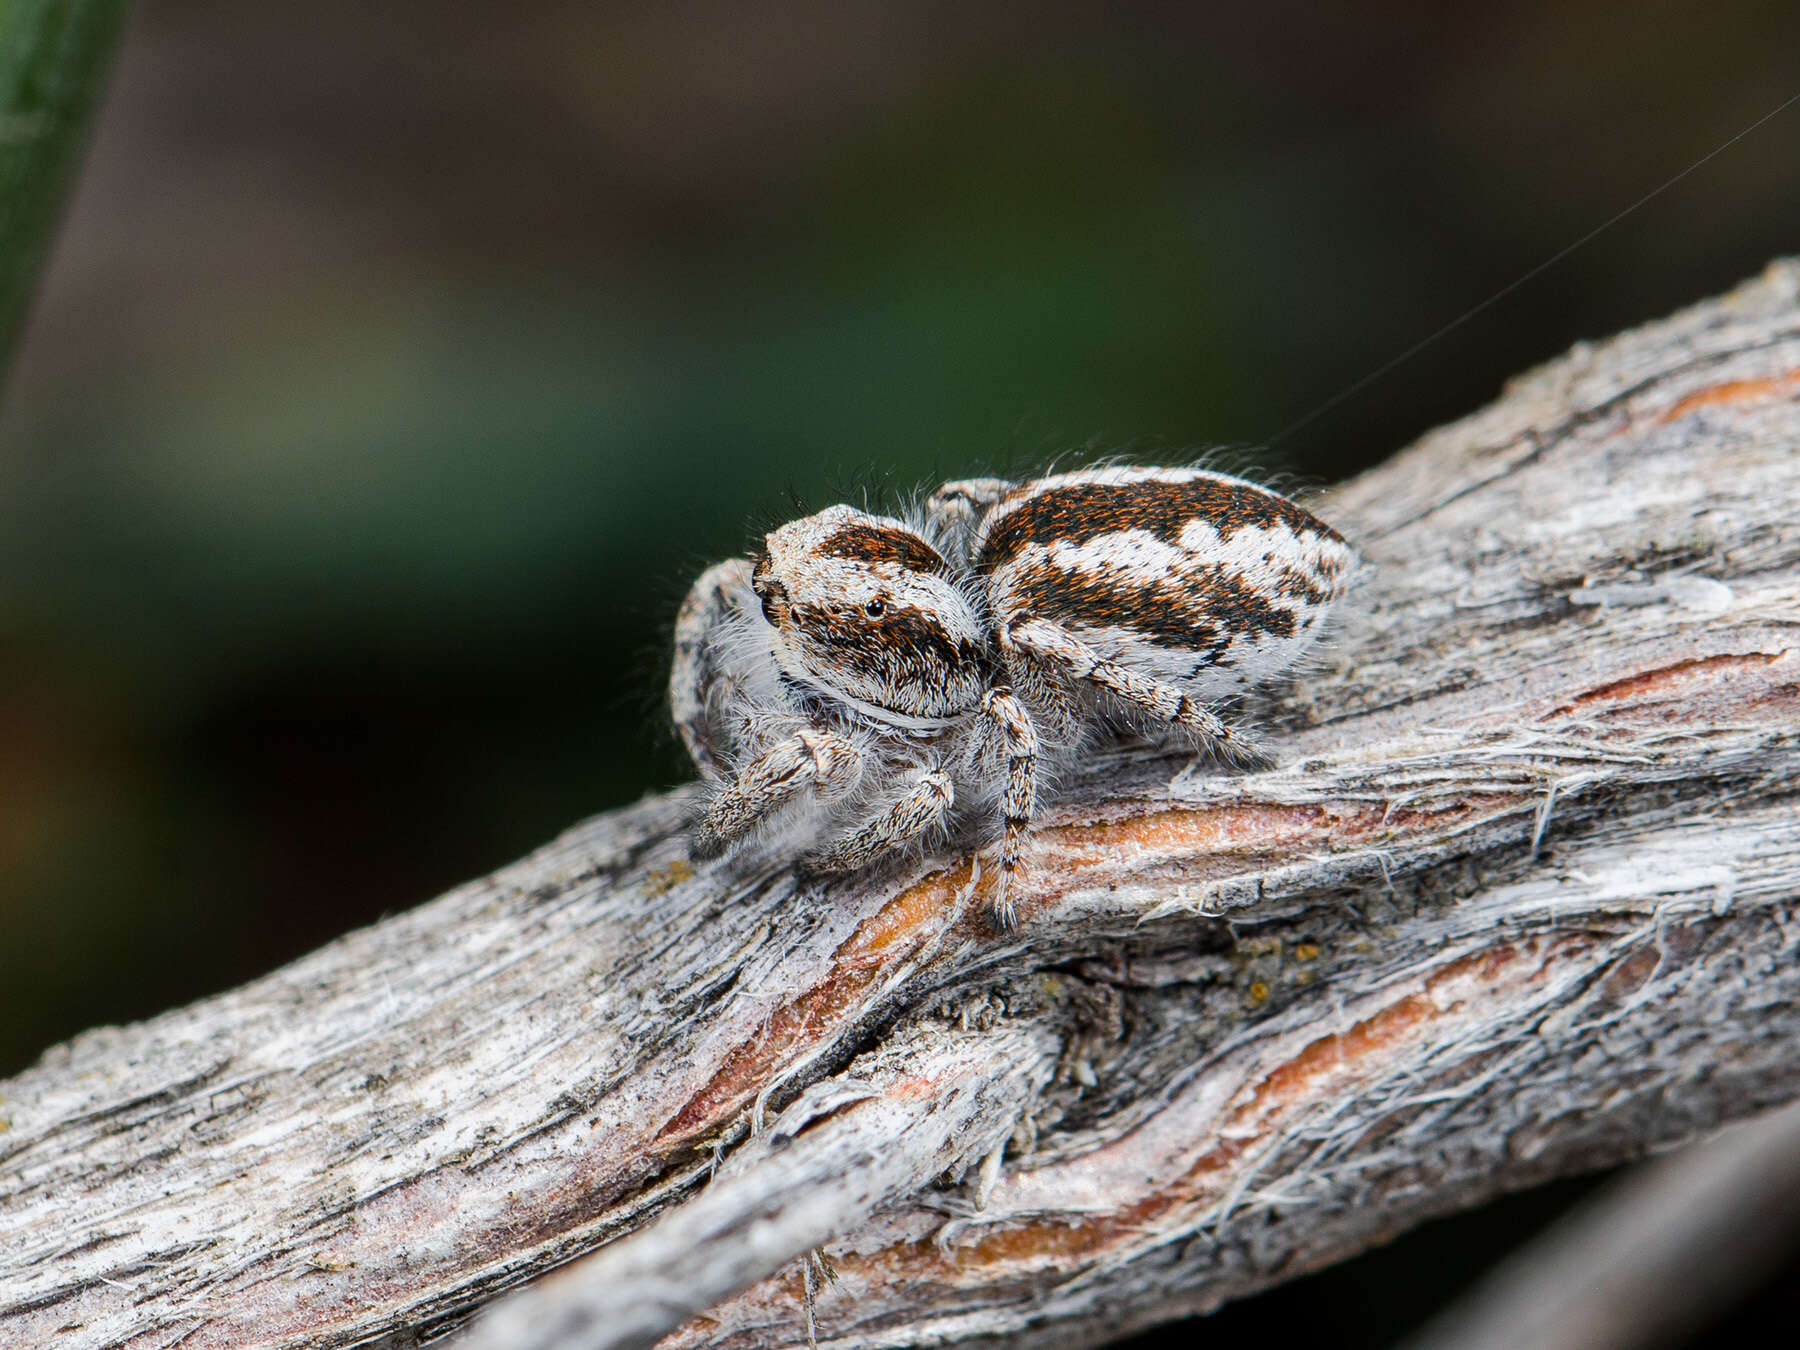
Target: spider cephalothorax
point(868, 681)
point(864, 608)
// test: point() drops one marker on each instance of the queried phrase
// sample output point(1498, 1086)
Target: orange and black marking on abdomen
point(1073, 513)
point(1203, 609)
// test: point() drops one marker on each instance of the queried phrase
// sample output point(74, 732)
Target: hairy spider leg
point(922, 806)
point(815, 759)
point(954, 513)
point(1017, 739)
point(698, 685)
point(1058, 647)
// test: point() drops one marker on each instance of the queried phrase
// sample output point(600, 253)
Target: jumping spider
point(866, 681)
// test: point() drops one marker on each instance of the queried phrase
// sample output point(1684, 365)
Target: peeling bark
point(1517, 901)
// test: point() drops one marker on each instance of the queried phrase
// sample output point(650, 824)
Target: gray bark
point(1517, 901)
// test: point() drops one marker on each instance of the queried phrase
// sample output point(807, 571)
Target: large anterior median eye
point(874, 609)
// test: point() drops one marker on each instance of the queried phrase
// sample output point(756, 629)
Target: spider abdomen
point(1182, 575)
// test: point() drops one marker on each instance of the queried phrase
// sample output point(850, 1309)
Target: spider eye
point(874, 609)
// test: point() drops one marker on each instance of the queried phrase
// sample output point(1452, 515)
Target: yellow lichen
point(665, 879)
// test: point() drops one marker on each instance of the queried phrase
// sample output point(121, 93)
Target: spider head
point(861, 606)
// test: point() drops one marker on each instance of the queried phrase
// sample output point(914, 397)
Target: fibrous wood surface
point(1519, 899)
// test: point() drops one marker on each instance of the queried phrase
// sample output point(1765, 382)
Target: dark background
point(400, 364)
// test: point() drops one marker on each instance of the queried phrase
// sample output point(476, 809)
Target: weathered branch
point(1517, 901)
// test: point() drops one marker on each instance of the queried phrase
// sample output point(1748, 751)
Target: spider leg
point(698, 686)
point(1010, 725)
point(1054, 707)
point(822, 761)
point(924, 804)
point(1056, 646)
point(955, 511)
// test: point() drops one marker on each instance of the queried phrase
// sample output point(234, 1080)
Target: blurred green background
point(399, 365)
